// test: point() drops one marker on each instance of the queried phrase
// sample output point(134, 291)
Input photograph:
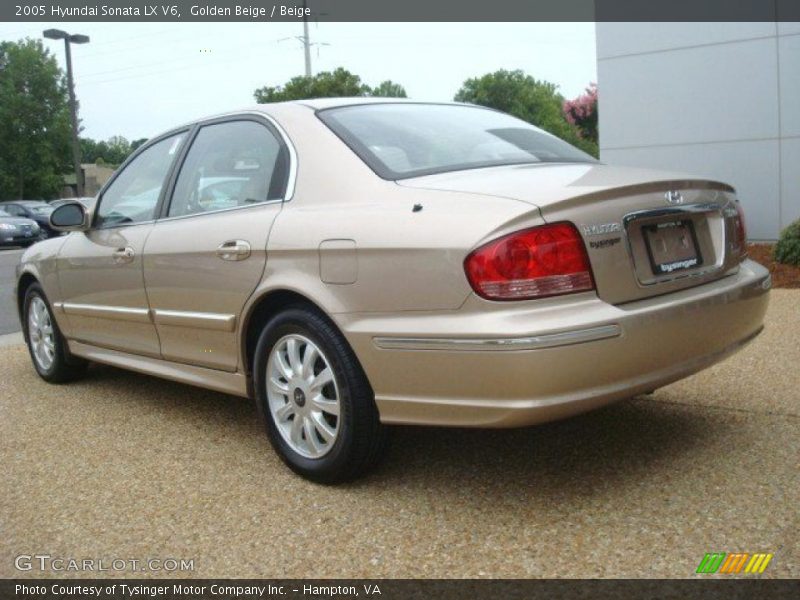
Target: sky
point(138, 79)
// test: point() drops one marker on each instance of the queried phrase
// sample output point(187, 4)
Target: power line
point(23, 33)
point(37, 32)
point(133, 67)
point(232, 55)
point(115, 51)
point(134, 37)
point(160, 72)
point(193, 37)
point(184, 58)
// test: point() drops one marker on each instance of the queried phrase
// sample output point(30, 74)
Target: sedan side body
point(320, 258)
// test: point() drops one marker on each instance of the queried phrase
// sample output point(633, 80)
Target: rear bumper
point(491, 365)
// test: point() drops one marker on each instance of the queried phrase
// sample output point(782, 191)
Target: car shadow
point(618, 445)
point(173, 400)
point(621, 445)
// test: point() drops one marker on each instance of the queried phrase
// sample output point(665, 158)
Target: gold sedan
point(352, 263)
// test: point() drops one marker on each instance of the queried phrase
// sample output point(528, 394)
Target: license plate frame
point(683, 253)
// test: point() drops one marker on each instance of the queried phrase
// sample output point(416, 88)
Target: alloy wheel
point(40, 333)
point(303, 396)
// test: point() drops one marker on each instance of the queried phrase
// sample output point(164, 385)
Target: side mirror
point(69, 217)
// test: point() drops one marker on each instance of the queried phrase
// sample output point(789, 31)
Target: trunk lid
point(647, 232)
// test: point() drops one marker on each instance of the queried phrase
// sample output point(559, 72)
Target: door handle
point(123, 255)
point(233, 250)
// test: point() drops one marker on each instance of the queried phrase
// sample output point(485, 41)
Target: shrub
point(787, 250)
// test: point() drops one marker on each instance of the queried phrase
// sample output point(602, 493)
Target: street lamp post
point(58, 34)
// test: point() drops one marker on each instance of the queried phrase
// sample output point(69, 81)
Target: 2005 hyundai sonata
point(351, 263)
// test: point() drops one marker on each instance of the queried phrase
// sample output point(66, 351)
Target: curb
point(11, 339)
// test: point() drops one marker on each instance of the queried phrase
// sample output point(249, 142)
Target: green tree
point(112, 151)
point(91, 150)
point(389, 89)
point(34, 122)
point(118, 150)
point(537, 102)
point(327, 84)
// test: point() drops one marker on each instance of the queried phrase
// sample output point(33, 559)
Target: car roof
point(273, 109)
point(322, 103)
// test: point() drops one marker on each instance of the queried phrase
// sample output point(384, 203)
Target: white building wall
point(718, 100)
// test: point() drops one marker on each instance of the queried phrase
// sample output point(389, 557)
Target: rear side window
point(44, 209)
point(14, 210)
point(229, 165)
point(408, 140)
point(132, 197)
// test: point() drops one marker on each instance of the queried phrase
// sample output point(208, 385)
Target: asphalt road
point(122, 465)
point(9, 321)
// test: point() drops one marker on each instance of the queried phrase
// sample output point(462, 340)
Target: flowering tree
point(582, 113)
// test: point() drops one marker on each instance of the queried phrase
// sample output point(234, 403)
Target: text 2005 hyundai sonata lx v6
point(351, 264)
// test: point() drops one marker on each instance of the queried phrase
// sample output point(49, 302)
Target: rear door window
point(14, 210)
point(230, 165)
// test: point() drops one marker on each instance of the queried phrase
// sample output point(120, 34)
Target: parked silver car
point(35, 210)
point(17, 231)
point(87, 201)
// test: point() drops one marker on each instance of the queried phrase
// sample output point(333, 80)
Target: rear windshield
point(408, 140)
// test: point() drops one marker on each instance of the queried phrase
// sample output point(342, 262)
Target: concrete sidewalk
point(124, 465)
point(9, 320)
point(11, 339)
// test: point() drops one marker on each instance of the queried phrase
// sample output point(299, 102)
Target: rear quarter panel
point(404, 259)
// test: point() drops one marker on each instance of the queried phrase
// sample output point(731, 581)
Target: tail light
point(739, 230)
point(532, 263)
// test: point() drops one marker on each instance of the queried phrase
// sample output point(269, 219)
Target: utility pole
point(57, 34)
point(306, 41)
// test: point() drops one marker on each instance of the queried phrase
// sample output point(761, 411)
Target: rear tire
point(317, 404)
point(46, 345)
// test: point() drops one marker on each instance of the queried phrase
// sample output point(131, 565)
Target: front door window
point(133, 195)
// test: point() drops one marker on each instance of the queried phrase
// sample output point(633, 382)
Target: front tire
point(46, 345)
point(318, 406)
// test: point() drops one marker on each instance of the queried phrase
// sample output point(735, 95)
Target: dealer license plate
point(672, 246)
